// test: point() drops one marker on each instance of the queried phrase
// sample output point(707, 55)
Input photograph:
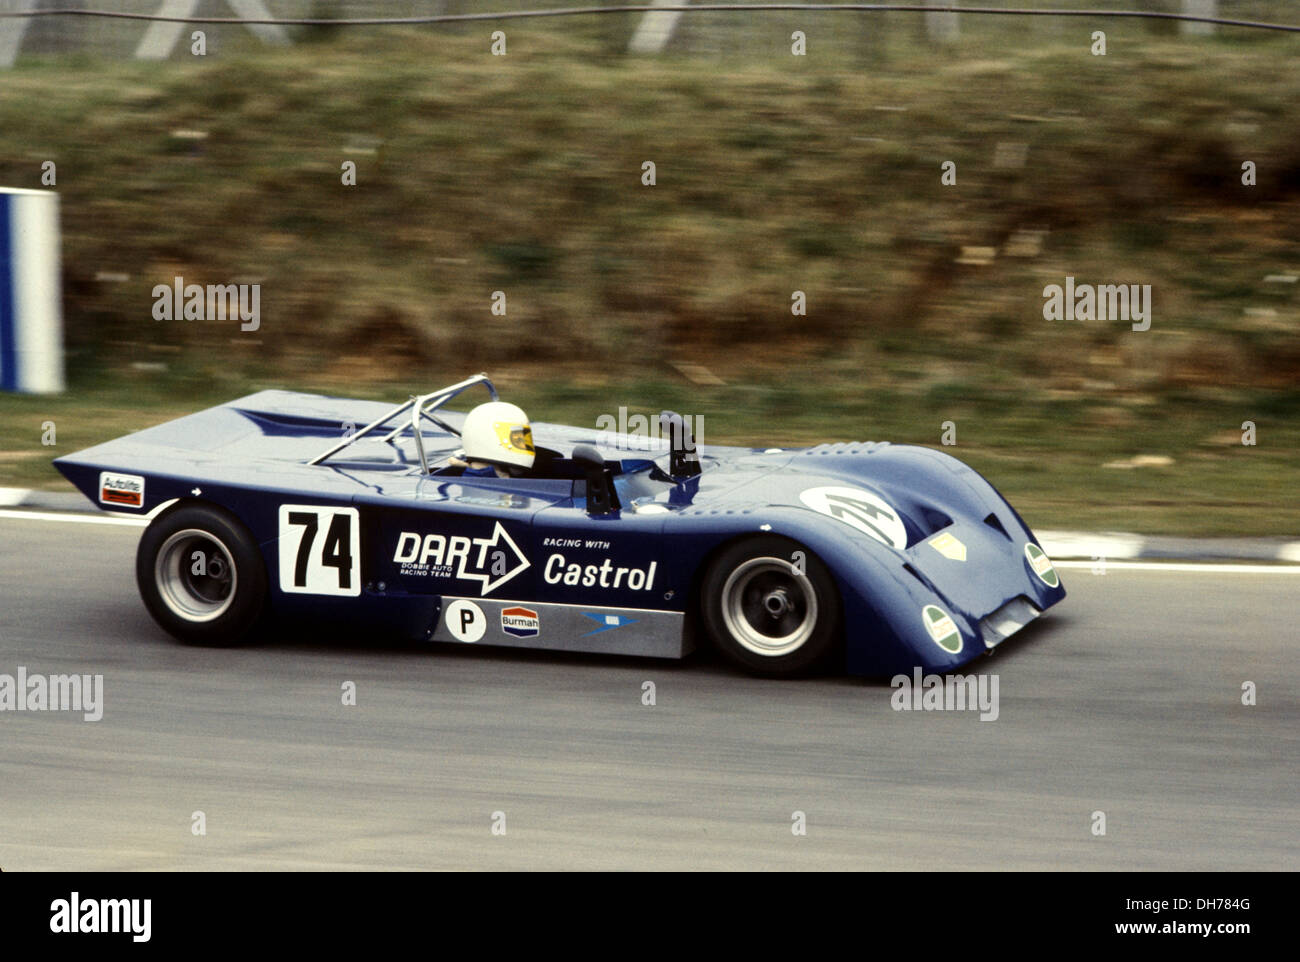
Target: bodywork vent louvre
point(847, 447)
point(993, 522)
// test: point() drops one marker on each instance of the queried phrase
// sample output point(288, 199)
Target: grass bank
point(775, 174)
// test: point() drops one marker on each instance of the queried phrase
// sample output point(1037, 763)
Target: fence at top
point(700, 32)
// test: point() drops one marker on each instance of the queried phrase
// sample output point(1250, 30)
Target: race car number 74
point(320, 550)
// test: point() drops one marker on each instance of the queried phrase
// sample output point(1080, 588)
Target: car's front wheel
point(770, 606)
point(201, 575)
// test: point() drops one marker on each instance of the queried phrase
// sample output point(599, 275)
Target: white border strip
point(13, 496)
point(1188, 566)
point(69, 516)
point(1083, 544)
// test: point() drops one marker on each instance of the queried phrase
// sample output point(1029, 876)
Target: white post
point(160, 38)
point(271, 33)
point(941, 27)
point(1199, 8)
point(656, 28)
point(12, 29)
point(31, 302)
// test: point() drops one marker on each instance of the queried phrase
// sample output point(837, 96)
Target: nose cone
point(978, 570)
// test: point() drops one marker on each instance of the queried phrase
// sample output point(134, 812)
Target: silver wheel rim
point(196, 597)
point(768, 607)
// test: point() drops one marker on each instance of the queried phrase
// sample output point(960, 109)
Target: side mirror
point(684, 460)
point(601, 496)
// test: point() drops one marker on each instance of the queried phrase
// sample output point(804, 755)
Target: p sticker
point(465, 620)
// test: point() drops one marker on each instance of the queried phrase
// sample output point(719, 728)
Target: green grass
point(775, 174)
point(1215, 486)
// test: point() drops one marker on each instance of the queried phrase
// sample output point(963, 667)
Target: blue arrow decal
point(607, 621)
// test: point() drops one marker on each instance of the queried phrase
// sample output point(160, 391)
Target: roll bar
point(420, 406)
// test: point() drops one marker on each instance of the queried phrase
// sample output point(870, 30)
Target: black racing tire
point(767, 617)
point(202, 576)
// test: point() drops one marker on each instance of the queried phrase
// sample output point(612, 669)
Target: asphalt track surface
point(1126, 699)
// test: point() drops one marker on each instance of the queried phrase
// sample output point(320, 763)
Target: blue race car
point(871, 557)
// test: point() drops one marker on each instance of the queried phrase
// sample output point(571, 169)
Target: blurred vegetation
point(774, 174)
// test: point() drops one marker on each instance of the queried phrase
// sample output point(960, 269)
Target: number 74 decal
point(320, 550)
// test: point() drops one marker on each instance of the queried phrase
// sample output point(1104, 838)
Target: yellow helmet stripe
point(514, 437)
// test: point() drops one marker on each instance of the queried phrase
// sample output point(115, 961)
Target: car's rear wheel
point(201, 576)
point(770, 606)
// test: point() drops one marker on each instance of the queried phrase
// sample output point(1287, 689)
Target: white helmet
point(498, 433)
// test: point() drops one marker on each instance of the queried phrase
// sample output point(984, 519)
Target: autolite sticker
point(1042, 565)
point(943, 630)
point(520, 622)
point(124, 490)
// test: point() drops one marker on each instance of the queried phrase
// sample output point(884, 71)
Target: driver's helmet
point(498, 433)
